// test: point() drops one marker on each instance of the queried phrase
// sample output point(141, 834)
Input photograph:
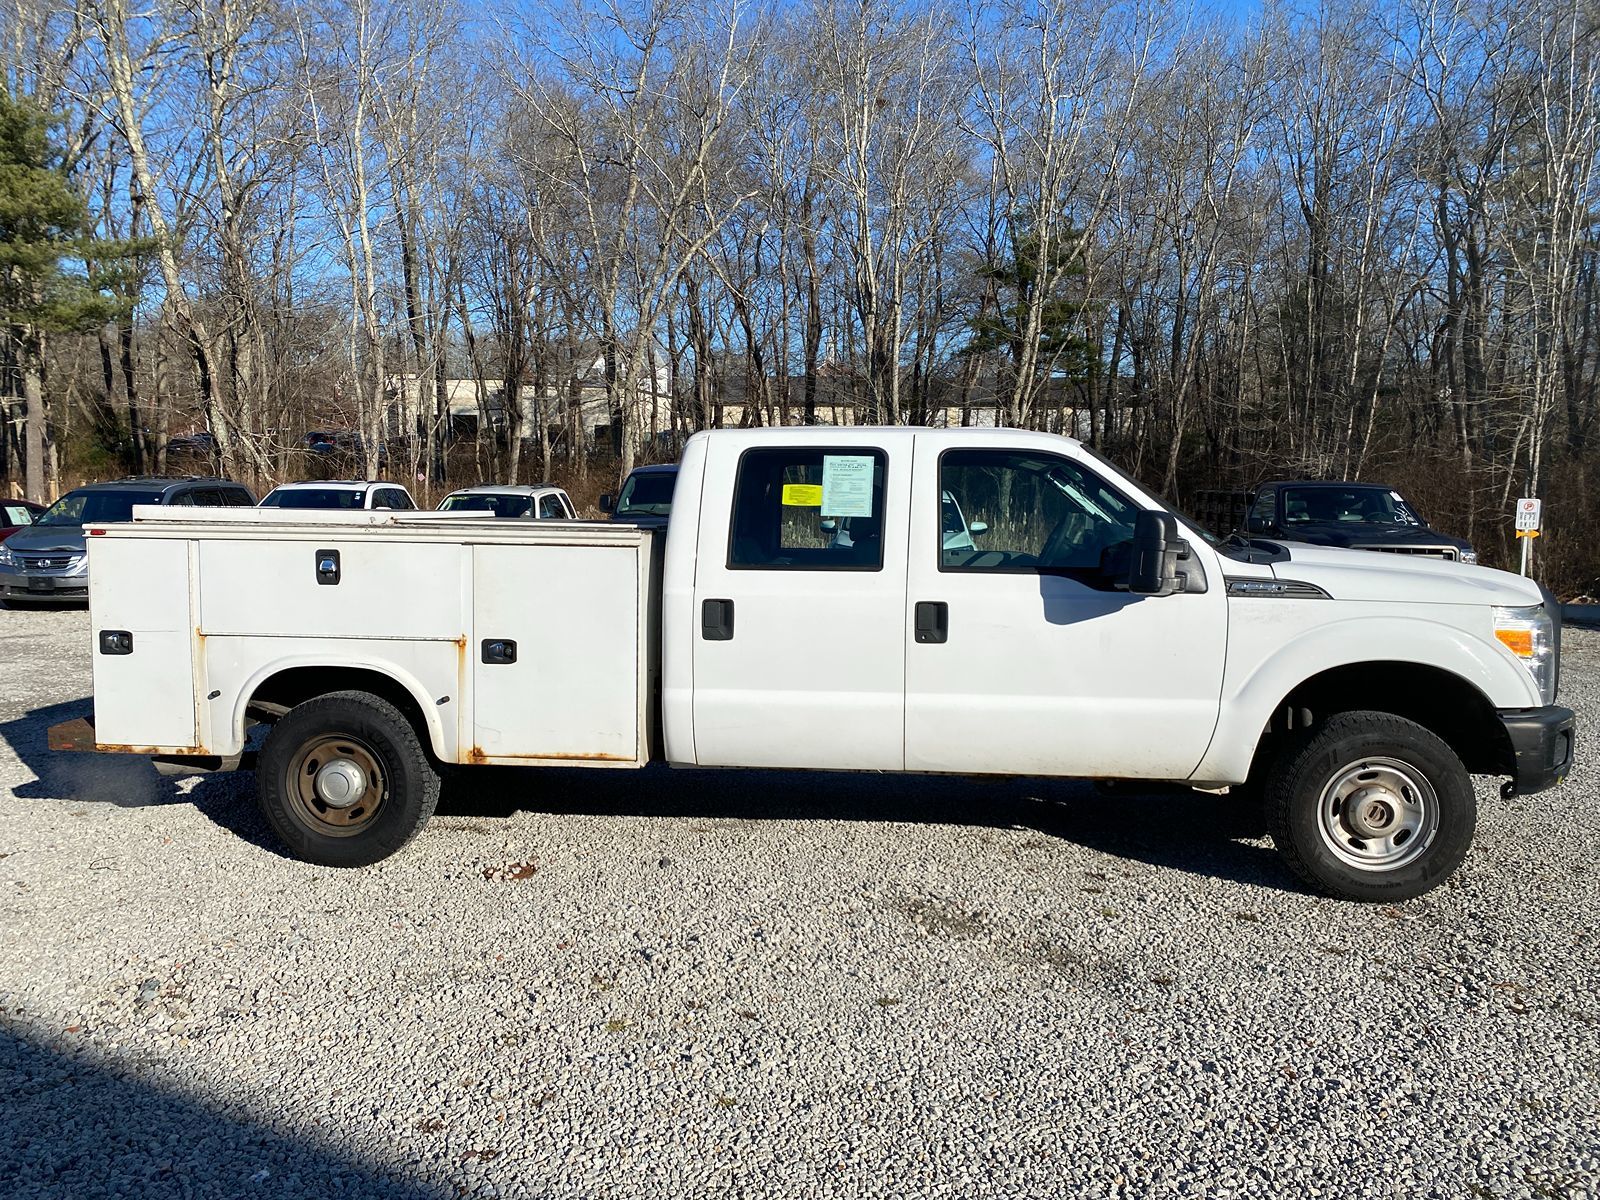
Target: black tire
point(1371, 807)
point(358, 742)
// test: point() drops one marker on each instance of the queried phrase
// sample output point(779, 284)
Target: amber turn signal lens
point(1518, 641)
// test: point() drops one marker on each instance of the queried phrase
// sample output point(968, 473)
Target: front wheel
point(1371, 807)
point(344, 780)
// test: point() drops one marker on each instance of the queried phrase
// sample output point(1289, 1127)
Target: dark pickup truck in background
point(1359, 516)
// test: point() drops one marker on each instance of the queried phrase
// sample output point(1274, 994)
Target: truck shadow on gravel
point(1169, 827)
point(127, 780)
point(1166, 827)
point(74, 1126)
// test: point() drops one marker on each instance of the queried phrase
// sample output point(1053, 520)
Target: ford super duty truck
point(985, 602)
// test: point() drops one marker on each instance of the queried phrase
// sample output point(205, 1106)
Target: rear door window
point(550, 508)
point(804, 509)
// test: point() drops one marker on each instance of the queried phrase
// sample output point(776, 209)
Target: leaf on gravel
point(1245, 916)
point(615, 1025)
point(509, 871)
point(429, 1125)
point(887, 1001)
point(725, 1101)
point(480, 1156)
point(1109, 913)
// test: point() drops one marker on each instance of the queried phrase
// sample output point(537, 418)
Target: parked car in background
point(646, 497)
point(539, 502)
point(1360, 516)
point(339, 493)
point(46, 560)
point(17, 514)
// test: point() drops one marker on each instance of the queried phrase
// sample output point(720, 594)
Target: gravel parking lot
point(698, 983)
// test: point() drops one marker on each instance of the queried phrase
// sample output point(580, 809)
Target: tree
point(41, 235)
point(1030, 292)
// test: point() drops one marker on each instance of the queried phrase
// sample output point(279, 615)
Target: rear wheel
point(344, 780)
point(1371, 807)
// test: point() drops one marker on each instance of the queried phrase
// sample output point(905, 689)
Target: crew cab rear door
point(799, 601)
point(1022, 658)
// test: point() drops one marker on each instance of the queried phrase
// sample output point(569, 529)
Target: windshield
point(499, 505)
point(647, 495)
point(95, 508)
point(316, 498)
point(1345, 506)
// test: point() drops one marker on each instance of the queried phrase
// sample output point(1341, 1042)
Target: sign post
point(1529, 511)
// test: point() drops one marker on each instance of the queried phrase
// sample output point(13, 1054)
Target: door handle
point(499, 651)
point(932, 622)
point(716, 620)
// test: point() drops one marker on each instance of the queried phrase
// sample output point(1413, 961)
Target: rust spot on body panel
point(478, 755)
point(151, 751)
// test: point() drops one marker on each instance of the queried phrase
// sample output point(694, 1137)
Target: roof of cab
point(508, 489)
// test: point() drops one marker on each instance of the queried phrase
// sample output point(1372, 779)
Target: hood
point(1398, 578)
point(650, 521)
point(43, 539)
point(1337, 533)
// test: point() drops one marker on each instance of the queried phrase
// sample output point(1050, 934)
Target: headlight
point(8, 559)
point(1469, 556)
point(1529, 633)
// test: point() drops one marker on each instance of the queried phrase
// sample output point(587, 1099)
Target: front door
point(1036, 664)
point(799, 603)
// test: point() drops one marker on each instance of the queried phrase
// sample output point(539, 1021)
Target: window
point(1020, 511)
point(315, 498)
point(1331, 504)
point(93, 508)
point(647, 494)
point(1263, 513)
point(489, 502)
point(401, 500)
point(550, 508)
point(184, 499)
point(566, 503)
point(208, 497)
point(805, 509)
point(237, 498)
point(15, 514)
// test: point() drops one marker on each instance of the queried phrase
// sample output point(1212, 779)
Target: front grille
point(1449, 553)
point(46, 562)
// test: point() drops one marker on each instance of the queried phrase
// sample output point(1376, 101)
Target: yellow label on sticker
point(802, 495)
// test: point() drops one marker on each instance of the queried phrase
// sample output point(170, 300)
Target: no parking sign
point(1528, 513)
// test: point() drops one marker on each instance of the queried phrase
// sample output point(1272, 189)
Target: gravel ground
point(688, 983)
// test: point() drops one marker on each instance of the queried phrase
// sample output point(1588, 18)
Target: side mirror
point(978, 527)
point(828, 525)
point(605, 502)
point(1153, 570)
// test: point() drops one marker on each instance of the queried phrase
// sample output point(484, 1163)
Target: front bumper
point(1543, 742)
point(40, 585)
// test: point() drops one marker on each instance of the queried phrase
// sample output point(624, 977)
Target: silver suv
point(46, 560)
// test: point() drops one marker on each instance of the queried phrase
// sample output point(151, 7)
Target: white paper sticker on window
point(847, 485)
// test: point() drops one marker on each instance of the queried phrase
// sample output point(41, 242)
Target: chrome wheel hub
point(341, 783)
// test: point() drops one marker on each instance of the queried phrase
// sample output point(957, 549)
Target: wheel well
point(278, 693)
point(1436, 699)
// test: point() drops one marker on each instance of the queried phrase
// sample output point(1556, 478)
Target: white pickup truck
point(993, 602)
